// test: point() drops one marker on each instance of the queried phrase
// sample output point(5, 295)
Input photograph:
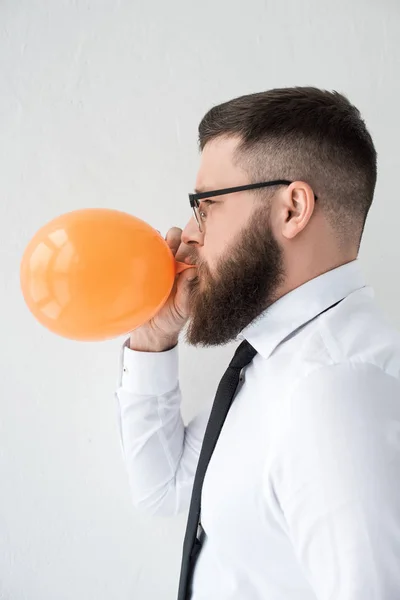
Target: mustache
point(192, 258)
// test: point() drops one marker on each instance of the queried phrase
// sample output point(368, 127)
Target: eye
point(201, 209)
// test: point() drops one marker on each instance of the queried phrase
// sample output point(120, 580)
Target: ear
point(298, 204)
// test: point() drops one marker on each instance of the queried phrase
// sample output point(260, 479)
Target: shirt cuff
point(149, 373)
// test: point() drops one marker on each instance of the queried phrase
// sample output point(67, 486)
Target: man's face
point(239, 262)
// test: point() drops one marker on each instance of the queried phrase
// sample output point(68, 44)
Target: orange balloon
point(95, 274)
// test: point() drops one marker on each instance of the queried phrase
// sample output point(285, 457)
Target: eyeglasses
point(195, 199)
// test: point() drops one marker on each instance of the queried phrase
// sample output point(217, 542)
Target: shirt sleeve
point(160, 453)
point(337, 481)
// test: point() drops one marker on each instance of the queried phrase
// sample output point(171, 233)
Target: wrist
point(152, 343)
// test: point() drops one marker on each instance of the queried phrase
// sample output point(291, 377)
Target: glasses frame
point(195, 199)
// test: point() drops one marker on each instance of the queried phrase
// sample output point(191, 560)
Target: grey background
point(99, 106)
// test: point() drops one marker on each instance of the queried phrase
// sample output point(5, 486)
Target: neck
point(303, 271)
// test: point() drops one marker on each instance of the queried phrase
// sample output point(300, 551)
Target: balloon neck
point(180, 266)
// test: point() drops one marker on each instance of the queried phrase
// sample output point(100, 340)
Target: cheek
point(216, 241)
point(223, 231)
point(223, 228)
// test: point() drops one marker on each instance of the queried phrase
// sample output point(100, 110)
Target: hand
point(163, 329)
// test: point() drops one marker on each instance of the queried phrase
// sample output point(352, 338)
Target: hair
point(307, 134)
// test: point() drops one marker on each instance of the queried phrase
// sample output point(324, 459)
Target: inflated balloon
point(95, 274)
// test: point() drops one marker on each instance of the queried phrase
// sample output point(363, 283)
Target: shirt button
point(126, 370)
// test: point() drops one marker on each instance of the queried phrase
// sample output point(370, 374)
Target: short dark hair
point(304, 133)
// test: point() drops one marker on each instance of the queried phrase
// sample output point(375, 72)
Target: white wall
point(99, 106)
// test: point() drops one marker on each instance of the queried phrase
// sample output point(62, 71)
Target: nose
point(192, 234)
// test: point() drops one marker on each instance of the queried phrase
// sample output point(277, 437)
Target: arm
point(337, 480)
point(160, 454)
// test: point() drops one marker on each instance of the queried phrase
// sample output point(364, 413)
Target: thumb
point(182, 281)
point(188, 274)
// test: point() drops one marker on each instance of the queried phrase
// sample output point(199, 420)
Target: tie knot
point(243, 356)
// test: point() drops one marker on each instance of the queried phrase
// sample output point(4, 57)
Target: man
point(301, 493)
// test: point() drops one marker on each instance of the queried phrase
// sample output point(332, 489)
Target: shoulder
point(345, 415)
point(342, 433)
point(344, 394)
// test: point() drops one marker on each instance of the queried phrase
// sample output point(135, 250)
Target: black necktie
point(226, 390)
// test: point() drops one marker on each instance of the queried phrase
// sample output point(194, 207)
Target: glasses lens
point(197, 216)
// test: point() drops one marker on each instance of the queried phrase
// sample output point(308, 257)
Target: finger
point(183, 253)
point(173, 239)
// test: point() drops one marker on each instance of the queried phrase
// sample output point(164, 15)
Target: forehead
point(218, 167)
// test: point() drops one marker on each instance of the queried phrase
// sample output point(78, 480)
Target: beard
point(245, 283)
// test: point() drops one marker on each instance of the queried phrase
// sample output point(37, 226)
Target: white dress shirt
point(301, 499)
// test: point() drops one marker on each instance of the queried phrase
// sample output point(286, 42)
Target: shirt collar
point(300, 305)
